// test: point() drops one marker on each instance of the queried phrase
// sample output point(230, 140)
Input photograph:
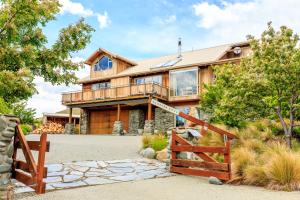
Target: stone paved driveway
point(86, 173)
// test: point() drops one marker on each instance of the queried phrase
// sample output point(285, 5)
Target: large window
point(149, 79)
point(103, 64)
point(102, 85)
point(184, 82)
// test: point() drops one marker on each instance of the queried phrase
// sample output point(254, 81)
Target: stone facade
point(136, 121)
point(118, 128)
point(163, 120)
point(149, 127)
point(7, 132)
point(69, 129)
point(84, 122)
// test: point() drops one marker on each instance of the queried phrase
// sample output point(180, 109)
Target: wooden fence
point(205, 165)
point(29, 172)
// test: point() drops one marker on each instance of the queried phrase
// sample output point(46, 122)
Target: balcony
point(116, 93)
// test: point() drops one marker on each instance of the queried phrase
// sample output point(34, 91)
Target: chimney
point(179, 48)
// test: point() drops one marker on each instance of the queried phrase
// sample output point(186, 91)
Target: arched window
point(103, 64)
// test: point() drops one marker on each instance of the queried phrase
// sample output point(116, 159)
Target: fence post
point(40, 186)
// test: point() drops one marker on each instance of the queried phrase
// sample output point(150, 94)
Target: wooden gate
point(208, 166)
point(29, 172)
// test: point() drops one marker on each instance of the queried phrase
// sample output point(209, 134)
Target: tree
point(26, 115)
point(265, 84)
point(25, 52)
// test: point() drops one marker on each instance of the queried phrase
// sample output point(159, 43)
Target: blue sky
point(140, 29)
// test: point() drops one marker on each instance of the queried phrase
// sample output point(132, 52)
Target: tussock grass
point(157, 142)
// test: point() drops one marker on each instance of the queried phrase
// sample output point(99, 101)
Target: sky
point(139, 29)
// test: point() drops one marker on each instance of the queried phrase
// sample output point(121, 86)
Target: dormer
point(104, 63)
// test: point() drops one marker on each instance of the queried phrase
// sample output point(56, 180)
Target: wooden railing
point(115, 93)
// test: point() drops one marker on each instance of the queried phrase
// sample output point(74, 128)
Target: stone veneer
point(84, 122)
point(7, 132)
point(136, 121)
point(149, 127)
point(163, 120)
point(118, 128)
point(69, 129)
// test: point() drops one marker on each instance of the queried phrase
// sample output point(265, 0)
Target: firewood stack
point(50, 128)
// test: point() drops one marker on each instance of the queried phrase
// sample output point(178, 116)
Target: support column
point(70, 127)
point(118, 125)
point(149, 123)
point(84, 121)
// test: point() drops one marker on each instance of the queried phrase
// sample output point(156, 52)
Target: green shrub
point(157, 142)
point(26, 128)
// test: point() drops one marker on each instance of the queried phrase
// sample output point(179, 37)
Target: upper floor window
point(97, 86)
point(149, 79)
point(103, 64)
point(184, 82)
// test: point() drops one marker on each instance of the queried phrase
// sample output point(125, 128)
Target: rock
point(162, 155)
point(69, 129)
point(118, 128)
point(148, 153)
point(68, 185)
point(71, 178)
point(98, 181)
point(129, 177)
point(215, 181)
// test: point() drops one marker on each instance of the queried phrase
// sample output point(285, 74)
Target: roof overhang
point(98, 52)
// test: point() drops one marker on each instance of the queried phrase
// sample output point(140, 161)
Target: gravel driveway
point(66, 148)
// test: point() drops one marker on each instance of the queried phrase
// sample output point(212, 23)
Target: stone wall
point(163, 120)
point(84, 122)
point(69, 129)
point(136, 121)
point(118, 128)
point(7, 131)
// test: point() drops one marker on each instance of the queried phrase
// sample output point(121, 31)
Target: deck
point(115, 93)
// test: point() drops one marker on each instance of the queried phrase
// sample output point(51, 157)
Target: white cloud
point(48, 98)
point(74, 8)
point(233, 21)
point(103, 20)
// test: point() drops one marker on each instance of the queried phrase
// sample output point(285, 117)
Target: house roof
point(64, 113)
point(198, 57)
point(95, 55)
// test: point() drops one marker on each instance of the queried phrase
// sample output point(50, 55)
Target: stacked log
point(50, 128)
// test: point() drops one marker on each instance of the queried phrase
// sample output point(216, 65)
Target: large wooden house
point(115, 96)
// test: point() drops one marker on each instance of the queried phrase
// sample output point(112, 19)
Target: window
point(184, 82)
point(103, 64)
point(102, 85)
point(149, 79)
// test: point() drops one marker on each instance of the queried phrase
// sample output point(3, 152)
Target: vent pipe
point(179, 48)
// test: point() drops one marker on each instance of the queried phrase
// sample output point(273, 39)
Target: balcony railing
point(115, 93)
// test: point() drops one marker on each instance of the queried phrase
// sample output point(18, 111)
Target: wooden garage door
point(101, 122)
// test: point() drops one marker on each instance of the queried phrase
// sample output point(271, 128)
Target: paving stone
point(49, 187)
point(103, 171)
point(120, 170)
point(129, 177)
point(79, 168)
point(23, 190)
point(98, 181)
point(71, 178)
point(102, 164)
point(54, 167)
point(57, 173)
point(86, 164)
point(76, 173)
point(53, 179)
point(119, 161)
point(122, 165)
point(144, 168)
point(151, 173)
point(68, 185)
point(92, 174)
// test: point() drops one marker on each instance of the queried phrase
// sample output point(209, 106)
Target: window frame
point(106, 83)
point(184, 69)
point(98, 68)
point(144, 79)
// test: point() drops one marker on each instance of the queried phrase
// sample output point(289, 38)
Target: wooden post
point(70, 115)
point(40, 186)
point(119, 112)
point(149, 109)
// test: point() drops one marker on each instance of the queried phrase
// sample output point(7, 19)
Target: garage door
point(102, 122)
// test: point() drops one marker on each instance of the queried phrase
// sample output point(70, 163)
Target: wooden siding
point(123, 81)
point(102, 121)
point(117, 67)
